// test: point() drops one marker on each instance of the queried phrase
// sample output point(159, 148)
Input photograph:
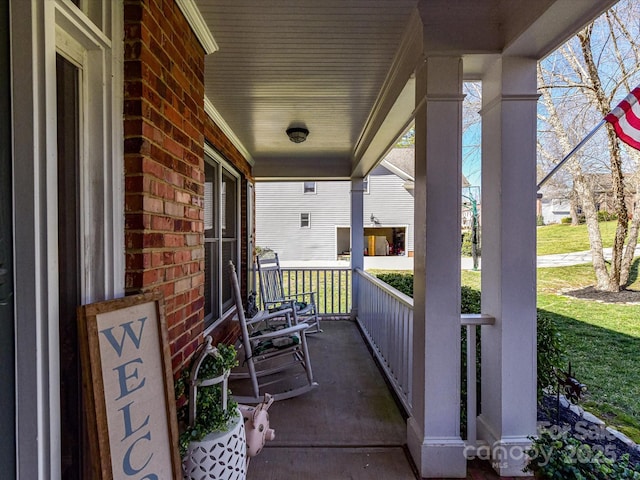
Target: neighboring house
point(553, 210)
point(317, 226)
point(554, 204)
point(311, 220)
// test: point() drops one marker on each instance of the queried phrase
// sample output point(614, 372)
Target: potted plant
point(212, 442)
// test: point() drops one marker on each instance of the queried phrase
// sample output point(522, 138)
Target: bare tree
point(579, 85)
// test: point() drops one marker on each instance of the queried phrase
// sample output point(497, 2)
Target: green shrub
point(565, 220)
point(466, 248)
point(400, 281)
point(210, 416)
point(469, 300)
point(559, 455)
point(539, 220)
point(604, 216)
point(551, 351)
point(469, 303)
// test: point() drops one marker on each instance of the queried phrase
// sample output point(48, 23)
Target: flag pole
point(571, 153)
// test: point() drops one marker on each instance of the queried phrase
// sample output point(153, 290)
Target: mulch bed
point(586, 432)
point(590, 293)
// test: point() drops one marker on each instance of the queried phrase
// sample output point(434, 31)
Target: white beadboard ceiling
point(325, 65)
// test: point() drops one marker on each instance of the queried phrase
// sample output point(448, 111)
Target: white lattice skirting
point(219, 455)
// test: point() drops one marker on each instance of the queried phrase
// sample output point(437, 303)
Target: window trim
point(215, 159)
point(366, 182)
point(308, 225)
point(315, 188)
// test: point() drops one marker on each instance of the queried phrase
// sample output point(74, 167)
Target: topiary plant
point(211, 415)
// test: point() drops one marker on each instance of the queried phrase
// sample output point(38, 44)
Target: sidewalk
point(466, 263)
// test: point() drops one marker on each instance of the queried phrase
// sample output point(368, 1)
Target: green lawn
point(602, 342)
point(563, 238)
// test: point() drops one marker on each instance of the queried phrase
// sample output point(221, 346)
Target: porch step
point(292, 463)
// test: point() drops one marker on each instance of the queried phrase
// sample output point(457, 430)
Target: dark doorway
point(68, 114)
point(7, 332)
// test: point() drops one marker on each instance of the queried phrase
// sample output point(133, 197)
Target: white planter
point(219, 455)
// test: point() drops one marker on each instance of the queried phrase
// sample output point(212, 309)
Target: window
point(365, 184)
point(309, 188)
point(305, 220)
point(221, 225)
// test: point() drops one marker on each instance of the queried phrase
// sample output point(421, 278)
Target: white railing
point(385, 316)
point(332, 286)
point(472, 322)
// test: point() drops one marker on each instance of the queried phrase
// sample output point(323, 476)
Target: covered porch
point(351, 427)
point(138, 129)
point(319, 69)
point(360, 412)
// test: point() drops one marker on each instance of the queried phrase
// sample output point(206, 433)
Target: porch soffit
point(343, 69)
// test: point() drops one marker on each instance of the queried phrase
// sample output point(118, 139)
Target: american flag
point(625, 119)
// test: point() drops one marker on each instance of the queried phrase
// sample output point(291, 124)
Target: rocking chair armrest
point(285, 332)
point(263, 315)
point(278, 301)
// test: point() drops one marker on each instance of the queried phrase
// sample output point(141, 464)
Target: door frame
point(38, 30)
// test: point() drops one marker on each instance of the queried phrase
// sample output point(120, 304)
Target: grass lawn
point(602, 342)
point(563, 238)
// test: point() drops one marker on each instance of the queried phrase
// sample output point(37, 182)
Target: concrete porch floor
point(350, 427)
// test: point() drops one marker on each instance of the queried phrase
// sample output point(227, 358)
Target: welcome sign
point(129, 389)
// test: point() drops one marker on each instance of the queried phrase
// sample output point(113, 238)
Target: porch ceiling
point(342, 69)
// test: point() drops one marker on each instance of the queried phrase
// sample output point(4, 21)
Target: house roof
point(344, 70)
point(401, 161)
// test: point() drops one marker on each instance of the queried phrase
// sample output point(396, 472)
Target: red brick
point(165, 128)
point(152, 204)
point(171, 240)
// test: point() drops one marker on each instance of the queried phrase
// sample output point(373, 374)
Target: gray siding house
point(311, 220)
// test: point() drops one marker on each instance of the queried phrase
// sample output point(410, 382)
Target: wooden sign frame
point(128, 389)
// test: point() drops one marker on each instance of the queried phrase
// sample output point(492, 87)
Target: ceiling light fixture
point(297, 134)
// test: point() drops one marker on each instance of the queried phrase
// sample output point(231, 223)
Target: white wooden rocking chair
point(270, 357)
point(274, 298)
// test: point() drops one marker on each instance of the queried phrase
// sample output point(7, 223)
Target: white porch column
point(434, 428)
point(357, 238)
point(509, 261)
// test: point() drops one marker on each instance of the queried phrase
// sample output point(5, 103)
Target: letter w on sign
point(127, 331)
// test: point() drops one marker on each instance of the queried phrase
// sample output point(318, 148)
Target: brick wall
point(164, 126)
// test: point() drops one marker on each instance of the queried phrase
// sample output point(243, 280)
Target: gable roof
point(401, 161)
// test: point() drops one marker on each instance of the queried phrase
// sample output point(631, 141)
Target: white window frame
point(365, 185)
point(308, 225)
point(215, 159)
point(315, 188)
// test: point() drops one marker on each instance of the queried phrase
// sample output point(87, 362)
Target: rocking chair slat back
point(268, 346)
point(273, 295)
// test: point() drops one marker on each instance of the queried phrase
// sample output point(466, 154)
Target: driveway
point(466, 263)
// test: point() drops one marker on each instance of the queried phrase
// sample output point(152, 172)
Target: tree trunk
point(604, 106)
point(585, 195)
point(573, 208)
point(629, 251)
